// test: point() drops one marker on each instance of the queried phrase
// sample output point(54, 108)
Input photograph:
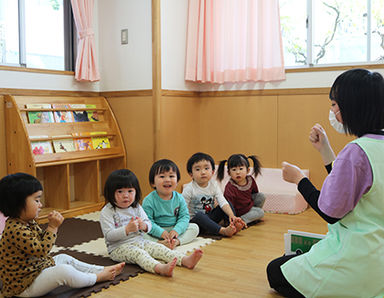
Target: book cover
point(40, 117)
point(100, 142)
point(38, 137)
point(63, 116)
point(41, 147)
point(98, 133)
point(80, 116)
point(38, 106)
point(64, 106)
point(63, 145)
point(78, 105)
point(83, 144)
point(298, 241)
point(81, 134)
point(92, 115)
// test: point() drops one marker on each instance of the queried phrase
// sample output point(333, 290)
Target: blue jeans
point(208, 222)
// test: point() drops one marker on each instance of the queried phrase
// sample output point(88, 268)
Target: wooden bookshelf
point(73, 181)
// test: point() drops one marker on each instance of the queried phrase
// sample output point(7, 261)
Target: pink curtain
point(86, 66)
point(234, 41)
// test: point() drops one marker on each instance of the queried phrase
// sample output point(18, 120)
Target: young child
point(123, 222)
point(166, 208)
point(26, 269)
point(205, 200)
point(241, 190)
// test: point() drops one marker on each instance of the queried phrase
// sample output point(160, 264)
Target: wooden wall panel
point(273, 126)
point(180, 134)
point(240, 124)
point(297, 114)
point(134, 116)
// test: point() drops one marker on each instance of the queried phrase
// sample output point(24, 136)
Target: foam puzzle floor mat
point(82, 238)
point(66, 292)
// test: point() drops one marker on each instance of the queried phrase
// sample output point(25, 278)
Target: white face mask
point(339, 127)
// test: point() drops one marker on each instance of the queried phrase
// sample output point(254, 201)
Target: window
point(36, 34)
point(332, 32)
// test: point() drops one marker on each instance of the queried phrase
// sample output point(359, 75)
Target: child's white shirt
point(113, 222)
point(193, 194)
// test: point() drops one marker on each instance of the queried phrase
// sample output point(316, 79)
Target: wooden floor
point(233, 267)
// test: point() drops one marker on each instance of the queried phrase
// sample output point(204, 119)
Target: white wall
point(174, 16)
point(41, 81)
point(125, 67)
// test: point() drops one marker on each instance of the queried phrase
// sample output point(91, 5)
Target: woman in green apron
point(349, 261)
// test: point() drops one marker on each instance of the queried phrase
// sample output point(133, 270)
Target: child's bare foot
point(228, 231)
point(171, 244)
point(191, 260)
point(110, 272)
point(166, 269)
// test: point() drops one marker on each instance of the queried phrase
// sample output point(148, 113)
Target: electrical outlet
point(124, 36)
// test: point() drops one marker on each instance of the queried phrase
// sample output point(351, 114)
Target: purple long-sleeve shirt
point(350, 178)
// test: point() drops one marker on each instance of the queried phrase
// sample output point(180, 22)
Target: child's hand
point(165, 236)
point(55, 219)
point(142, 225)
point(240, 221)
point(132, 226)
point(173, 234)
point(215, 203)
point(232, 218)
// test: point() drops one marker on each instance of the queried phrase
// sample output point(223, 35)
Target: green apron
point(349, 261)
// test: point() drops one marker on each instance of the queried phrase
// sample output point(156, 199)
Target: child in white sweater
point(206, 202)
point(123, 222)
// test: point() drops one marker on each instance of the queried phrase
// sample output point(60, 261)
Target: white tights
point(67, 271)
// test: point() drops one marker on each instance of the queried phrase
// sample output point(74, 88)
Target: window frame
point(334, 66)
point(70, 43)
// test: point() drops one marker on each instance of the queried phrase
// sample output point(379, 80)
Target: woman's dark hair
point(237, 160)
point(161, 166)
point(14, 190)
point(118, 179)
point(199, 156)
point(359, 94)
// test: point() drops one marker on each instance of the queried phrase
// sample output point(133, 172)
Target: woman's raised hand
point(292, 173)
point(320, 142)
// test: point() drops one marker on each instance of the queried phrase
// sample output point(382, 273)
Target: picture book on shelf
point(42, 147)
point(40, 116)
point(100, 142)
point(83, 144)
point(36, 137)
point(63, 116)
point(88, 133)
point(80, 116)
point(81, 134)
point(298, 241)
point(92, 115)
point(63, 145)
point(38, 106)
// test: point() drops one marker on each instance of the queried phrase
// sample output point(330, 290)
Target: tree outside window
point(332, 31)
